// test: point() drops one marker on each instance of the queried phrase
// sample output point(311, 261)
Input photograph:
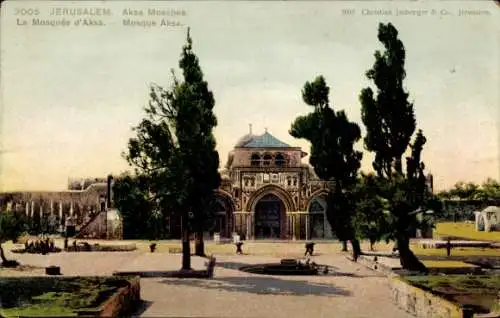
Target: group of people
point(41, 246)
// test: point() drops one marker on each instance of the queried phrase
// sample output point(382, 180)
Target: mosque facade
point(267, 192)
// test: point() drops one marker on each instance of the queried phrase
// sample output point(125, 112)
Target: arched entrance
point(218, 221)
point(221, 216)
point(318, 225)
point(269, 217)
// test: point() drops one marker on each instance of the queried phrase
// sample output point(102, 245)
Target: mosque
point(268, 193)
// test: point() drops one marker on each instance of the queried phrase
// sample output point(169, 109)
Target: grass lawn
point(465, 231)
point(467, 251)
point(50, 296)
point(446, 264)
point(480, 292)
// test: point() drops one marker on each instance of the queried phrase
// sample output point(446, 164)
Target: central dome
point(244, 140)
point(263, 141)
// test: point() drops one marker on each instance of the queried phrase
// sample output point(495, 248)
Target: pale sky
point(70, 95)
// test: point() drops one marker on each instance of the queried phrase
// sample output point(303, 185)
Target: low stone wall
point(421, 303)
point(369, 261)
point(414, 300)
point(119, 304)
point(102, 248)
point(454, 244)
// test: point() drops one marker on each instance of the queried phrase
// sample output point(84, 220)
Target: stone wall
point(123, 300)
point(421, 303)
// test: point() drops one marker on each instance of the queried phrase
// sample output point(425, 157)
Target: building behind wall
point(50, 210)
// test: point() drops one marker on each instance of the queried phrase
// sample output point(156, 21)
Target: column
point(293, 227)
point(27, 208)
point(41, 211)
point(324, 225)
point(252, 225)
point(247, 219)
point(32, 209)
point(307, 226)
point(60, 210)
point(51, 207)
point(71, 208)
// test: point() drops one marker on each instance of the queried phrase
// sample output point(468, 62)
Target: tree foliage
point(372, 219)
point(390, 124)
point(332, 137)
point(12, 225)
point(488, 190)
point(141, 213)
point(175, 147)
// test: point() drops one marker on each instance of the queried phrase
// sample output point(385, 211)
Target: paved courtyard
point(351, 291)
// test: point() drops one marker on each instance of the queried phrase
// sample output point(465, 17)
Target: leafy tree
point(390, 123)
point(490, 190)
point(371, 219)
point(332, 137)
point(175, 149)
point(195, 123)
point(132, 196)
point(466, 191)
point(12, 225)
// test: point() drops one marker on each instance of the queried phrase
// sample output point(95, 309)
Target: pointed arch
point(315, 195)
point(226, 199)
point(281, 193)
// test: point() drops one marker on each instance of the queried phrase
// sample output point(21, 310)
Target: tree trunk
point(199, 247)
point(2, 255)
point(186, 249)
point(344, 246)
point(371, 244)
point(356, 249)
point(407, 259)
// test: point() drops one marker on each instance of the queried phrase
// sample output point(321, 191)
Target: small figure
point(152, 247)
point(238, 247)
point(309, 249)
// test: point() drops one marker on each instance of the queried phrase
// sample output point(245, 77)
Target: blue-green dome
point(263, 141)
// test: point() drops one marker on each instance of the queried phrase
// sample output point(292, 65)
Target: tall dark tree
point(390, 124)
point(332, 137)
point(195, 123)
point(175, 149)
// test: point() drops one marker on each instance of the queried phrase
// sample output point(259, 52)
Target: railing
point(85, 227)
